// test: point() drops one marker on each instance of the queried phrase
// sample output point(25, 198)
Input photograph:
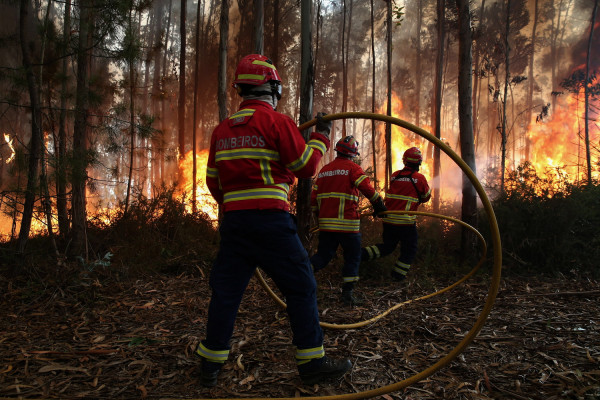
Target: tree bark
point(503, 121)
point(259, 27)
point(224, 37)
point(373, 100)
point(80, 131)
point(307, 80)
point(465, 114)
point(531, 78)
point(182, 62)
point(587, 96)
point(388, 126)
point(36, 129)
point(437, 104)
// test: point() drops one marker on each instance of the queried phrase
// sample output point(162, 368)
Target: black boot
point(348, 298)
point(348, 294)
point(209, 372)
point(325, 368)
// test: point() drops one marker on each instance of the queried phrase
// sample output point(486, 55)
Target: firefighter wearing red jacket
point(334, 200)
point(408, 189)
point(254, 157)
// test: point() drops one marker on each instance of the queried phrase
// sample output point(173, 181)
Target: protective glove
point(378, 207)
point(323, 127)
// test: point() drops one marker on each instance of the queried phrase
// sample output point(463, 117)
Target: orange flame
point(9, 141)
point(559, 141)
point(204, 200)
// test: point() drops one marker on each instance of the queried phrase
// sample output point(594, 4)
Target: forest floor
point(101, 338)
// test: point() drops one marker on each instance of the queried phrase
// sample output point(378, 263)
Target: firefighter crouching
point(334, 200)
point(255, 155)
point(408, 189)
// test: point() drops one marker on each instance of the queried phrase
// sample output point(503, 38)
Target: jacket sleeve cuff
point(320, 137)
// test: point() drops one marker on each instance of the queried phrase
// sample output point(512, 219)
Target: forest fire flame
point(204, 200)
point(558, 142)
point(9, 142)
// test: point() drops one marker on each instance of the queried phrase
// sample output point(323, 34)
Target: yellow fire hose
point(497, 259)
point(277, 299)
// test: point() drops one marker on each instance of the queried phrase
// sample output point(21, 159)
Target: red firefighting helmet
point(347, 146)
point(412, 156)
point(255, 69)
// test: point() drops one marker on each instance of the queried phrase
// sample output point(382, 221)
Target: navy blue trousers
point(328, 244)
point(406, 235)
point(269, 239)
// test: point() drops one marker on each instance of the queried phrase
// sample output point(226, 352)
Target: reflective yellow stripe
point(302, 161)
point(219, 356)
point(212, 172)
point(401, 197)
point(277, 193)
point(346, 225)
point(373, 252)
point(264, 64)
point(306, 355)
point(317, 144)
point(337, 195)
point(400, 219)
point(359, 180)
point(252, 153)
point(246, 112)
point(250, 76)
point(401, 268)
point(350, 279)
point(375, 196)
point(265, 172)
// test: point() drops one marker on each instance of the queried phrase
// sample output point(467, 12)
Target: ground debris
point(137, 339)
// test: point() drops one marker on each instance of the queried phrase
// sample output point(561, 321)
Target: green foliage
point(548, 224)
point(398, 14)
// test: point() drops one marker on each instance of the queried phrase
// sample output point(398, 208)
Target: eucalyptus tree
point(465, 113)
point(35, 144)
point(307, 81)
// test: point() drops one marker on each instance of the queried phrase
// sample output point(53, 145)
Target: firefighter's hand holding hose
point(378, 207)
point(323, 127)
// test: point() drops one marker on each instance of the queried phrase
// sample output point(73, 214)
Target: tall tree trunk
point(195, 112)
point(373, 100)
point(587, 95)
point(259, 27)
point(388, 126)
point(465, 111)
point(418, 67)
point(163, 104)
point(182, 62)
point(131, 62)
point(503, 122)
point(437, 104)
point(61, 175)
point(224, 37)
point(80, 130)
point(275, 51)
point(344, 68)
point(531, 78)
point(477, 80)
point(156, 92)
point(307, 81)
point(35, 144)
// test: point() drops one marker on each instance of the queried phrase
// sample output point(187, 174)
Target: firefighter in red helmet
point(334, 200)
point(408, 189)
point(255, 155)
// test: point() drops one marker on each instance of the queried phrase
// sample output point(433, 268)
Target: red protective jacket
point(255, 155)
point(404, 195)
point(335, 195)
